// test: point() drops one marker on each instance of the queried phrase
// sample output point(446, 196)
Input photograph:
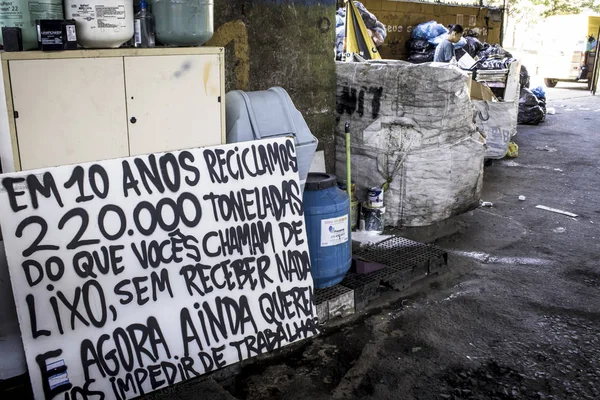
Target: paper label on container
point(83, 11)
point(334, 231)
point(71, 35)
point(137, 31)
point(111, 17)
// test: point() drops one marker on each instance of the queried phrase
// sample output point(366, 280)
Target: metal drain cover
point(401, 253)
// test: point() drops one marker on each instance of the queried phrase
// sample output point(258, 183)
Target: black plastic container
point(12, 38)
point(56, 35)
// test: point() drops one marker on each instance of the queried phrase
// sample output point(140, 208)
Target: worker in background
point(444, 52)
point(591, 44)
point(590, 51)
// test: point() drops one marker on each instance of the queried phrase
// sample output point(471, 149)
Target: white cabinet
point(69, 111)
point(78, 106)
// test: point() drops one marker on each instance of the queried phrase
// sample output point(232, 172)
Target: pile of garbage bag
point(532, 106)
point(493, 57)
point(493, 50)
point(420, 51)
point(540, 93)
point(494, 63)
point(376, 29)
point(473, 47)
point(425, 38)
point(428, 30)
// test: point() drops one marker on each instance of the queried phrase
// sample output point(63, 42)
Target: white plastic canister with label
point(101, 24)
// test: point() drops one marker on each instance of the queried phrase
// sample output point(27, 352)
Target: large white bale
point(412, 126)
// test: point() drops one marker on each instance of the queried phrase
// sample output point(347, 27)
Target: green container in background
point(183, 22)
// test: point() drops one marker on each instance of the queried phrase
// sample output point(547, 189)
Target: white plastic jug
point(101, 24)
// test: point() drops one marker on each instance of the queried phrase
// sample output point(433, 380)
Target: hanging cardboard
point(133, 274)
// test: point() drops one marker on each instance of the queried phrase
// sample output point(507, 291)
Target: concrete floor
point(516, 317)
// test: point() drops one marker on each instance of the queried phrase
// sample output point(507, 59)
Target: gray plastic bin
point(268, 114)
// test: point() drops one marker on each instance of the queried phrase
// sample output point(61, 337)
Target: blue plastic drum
point(327, 217)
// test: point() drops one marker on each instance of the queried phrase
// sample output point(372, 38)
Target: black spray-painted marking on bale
point(349, 102)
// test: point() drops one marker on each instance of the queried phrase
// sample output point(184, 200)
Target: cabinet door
point(69, 110)
point(172, 102)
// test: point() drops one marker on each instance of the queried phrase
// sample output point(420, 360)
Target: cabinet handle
point(133, 120)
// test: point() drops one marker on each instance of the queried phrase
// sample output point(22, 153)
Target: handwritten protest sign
point(133, 274)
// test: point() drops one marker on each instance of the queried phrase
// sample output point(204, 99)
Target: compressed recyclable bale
point(412, 126)
point(498, 124)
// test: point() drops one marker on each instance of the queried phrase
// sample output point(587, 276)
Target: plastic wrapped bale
point(497, 122)
point(411, 126)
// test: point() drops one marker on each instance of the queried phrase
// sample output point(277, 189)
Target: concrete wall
point(287, 43)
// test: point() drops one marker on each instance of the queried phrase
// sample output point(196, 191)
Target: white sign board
point(133, 274)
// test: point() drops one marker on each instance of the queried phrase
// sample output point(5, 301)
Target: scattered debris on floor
point(548, 149)
point(556, 210)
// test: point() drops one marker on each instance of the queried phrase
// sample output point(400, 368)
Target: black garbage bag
point(530, 109)
point(419, 58)
point(495, 63)
point(419, 45)
point(530, 115)
point(489, 50)
point(543, 105)
point(525, 78)
point(528, 98)
point(474, 46)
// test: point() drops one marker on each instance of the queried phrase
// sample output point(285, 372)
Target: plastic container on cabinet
point(23, 14)
point(183, 22)
point(101, 24)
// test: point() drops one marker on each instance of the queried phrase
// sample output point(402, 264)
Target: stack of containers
point(110, 23)
point(19, 14)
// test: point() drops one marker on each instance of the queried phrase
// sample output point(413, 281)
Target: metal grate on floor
point(401, 253)
point(330, 293)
